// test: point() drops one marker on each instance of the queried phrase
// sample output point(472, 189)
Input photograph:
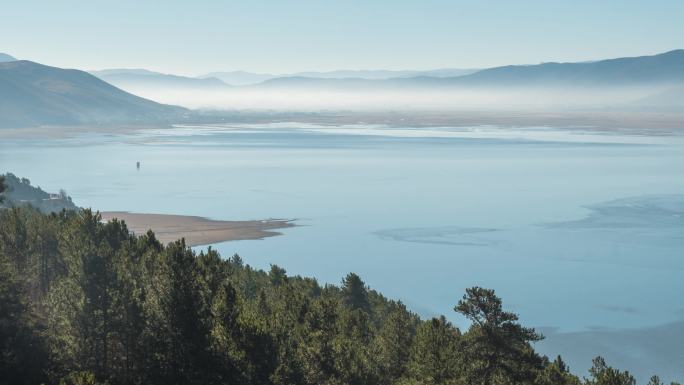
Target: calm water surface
point(576, 230)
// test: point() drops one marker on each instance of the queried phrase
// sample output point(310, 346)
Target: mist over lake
point(342, 193)
point(580, 230)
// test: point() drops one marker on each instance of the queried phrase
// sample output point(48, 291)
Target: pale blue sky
point(198, 36)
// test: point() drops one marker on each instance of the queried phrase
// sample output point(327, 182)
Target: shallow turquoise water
point(575, 230)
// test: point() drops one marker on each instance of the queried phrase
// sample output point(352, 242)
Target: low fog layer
point(39, 95)
point(295, 98)
point(625, 83)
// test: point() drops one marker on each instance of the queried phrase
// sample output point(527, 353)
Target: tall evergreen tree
point(22, 352)
point(318, 350)
point(497, 347)
point(602, 374)
point(2, 188)
point(435, 355)
point(178, 318)
point(557, 373)
point(355, 292)
point(14, 238)
point(227, 337)
point(84, 306)
point(393, 343)
point(278, 275)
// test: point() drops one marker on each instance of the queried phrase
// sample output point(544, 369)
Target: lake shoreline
point(198, 231)
point(606, 121)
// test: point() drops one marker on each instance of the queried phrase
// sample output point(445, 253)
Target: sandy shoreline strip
point(197, 231)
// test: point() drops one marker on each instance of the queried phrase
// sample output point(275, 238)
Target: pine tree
point(557, 373)
point(355, 292)
point(84, 306)
point(435, 354)
point(497, 347)
point(318, 347)
point(393, 343)
point(227, 337)
point(2, 188)
point(22, 352)
point(602, 374)
point(178, 326)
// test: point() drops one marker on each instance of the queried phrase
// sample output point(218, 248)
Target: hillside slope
point(33, 94)
point(19, 192)
point(662, 68)
point(5, 58)
point(657, 70)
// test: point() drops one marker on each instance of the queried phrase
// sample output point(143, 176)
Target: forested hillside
point(33, 95)
point(20, 192)
point(86, 302)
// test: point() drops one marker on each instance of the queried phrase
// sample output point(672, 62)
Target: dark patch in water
point(619, 309)
point(445, 235)
point(650, 211)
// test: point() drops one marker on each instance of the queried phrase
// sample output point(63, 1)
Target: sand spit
point(197, 231)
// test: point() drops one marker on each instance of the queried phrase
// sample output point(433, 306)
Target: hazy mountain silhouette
point(130, 79)
point(5, 58)
point(241, 78)
point(116, 71)
point(666, 68)
point(326, 83)
point(33, 94)
point(385, 74)
point(663, 68)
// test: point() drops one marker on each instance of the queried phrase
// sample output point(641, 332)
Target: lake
point(578, 230)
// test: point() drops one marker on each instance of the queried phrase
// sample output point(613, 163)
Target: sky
point(193, 37)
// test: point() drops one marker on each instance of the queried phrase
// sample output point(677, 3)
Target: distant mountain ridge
point(130, 79)
point(242, 78)
point(385, 74)
point(117, 71)
point(665, 68)
point(33, 94)
point(6, 58)
point(239, 78)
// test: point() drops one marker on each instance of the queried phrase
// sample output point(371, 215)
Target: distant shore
point(647, 122)
point(197, 231)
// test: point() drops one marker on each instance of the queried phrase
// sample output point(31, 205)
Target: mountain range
point(243, 78)
point(662, 69)
point(130, 79)
point(33, 94)
point(133, 79)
